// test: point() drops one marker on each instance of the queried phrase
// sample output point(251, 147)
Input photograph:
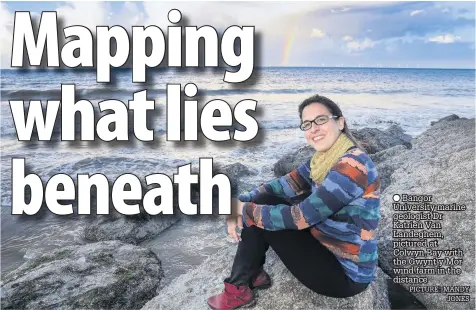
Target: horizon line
point(256, 67)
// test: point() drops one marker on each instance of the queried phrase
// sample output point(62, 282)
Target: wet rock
point(374, 140)
point(292, 160)
point(237, 170)
point(237, 173)
point(191, 290)
point(126, 229)
point(98, 275)
point(441, 163)
point(400, 298)
point(387, 161)
point(397, 131)
point(448, 118)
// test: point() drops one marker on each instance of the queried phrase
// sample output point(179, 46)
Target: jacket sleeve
point(345, 182)
point(293, 184)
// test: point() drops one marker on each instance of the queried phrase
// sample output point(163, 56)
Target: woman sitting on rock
point(320, 218)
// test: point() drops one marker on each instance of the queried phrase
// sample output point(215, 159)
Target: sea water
point(369, 97)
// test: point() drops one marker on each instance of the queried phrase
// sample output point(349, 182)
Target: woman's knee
point(251, 232)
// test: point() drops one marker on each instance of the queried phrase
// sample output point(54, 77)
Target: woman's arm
point(346, 181)
point(293, 184)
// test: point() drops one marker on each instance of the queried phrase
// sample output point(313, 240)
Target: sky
point(349, 34)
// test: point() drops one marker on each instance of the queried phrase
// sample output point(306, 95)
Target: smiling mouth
point(318, 138)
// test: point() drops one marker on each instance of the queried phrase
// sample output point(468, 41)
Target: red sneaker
point(261, 281)
point(233, 297)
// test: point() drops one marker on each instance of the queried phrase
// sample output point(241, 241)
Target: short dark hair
point(333, 109)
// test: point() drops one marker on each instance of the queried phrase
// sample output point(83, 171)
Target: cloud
point(340, 10)
point(360, 45)
point(88, 14)
point(389, 20)
point(416, 12)
point(317, 33)
point(129, 15)
point(377, 31)
point(271, 19)
point(444, 39)
point(391, 48)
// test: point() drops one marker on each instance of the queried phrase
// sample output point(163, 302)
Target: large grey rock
point(386, 162)
point(237, 170)
point(191, 290)
point(374, 140)
point(448, 118)
point(98, 275)
point(441, 163)
point(237, 173)
point(392, 153)
point(398, 132)
point(126, 229)
point(292, 160)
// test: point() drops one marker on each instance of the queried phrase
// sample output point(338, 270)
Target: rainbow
point(288, 46)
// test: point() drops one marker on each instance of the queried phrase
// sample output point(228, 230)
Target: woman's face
point(321, 137)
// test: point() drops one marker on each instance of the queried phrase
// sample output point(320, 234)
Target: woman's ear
point(341, 122)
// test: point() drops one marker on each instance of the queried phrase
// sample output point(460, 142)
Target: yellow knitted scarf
point(322, 162)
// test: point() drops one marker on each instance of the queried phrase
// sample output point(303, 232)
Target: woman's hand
point(232, 224)
point(235, 219)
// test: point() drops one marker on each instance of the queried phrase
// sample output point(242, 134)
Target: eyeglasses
point(320, 120)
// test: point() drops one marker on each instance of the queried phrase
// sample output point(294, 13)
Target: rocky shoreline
point(117, 269)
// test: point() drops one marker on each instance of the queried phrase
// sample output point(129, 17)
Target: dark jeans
point(305, 257)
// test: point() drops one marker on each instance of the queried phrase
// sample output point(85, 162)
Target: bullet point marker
point(396, 197)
